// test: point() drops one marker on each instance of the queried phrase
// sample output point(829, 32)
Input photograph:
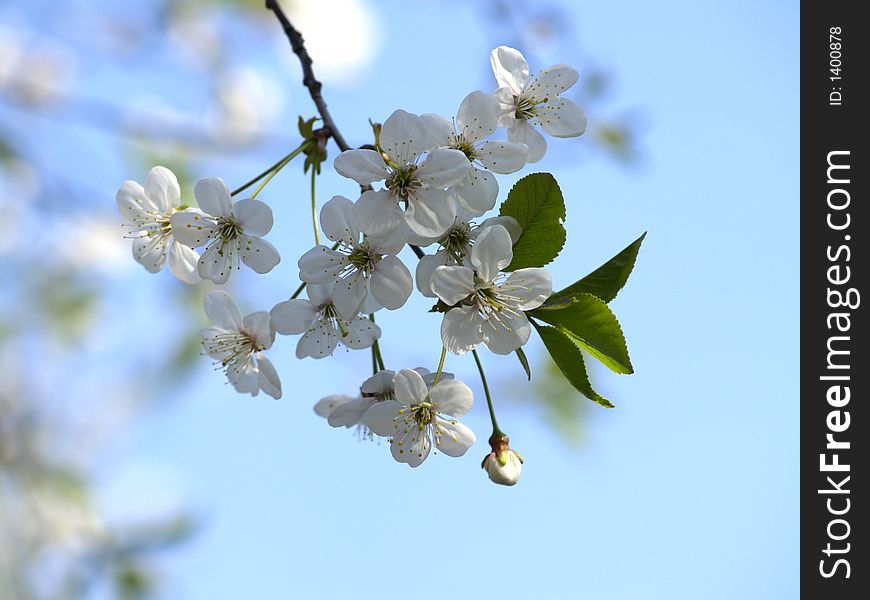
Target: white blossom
point(527, 101)
point(416, 177)
point(419, 417)
point(230, 230)
point(489, 307)
point(366, 271)
point(237, 345)
point(148, 209)
point(321, 325)
point(503, 467)
point(477, 119)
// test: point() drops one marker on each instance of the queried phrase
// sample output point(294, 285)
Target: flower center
point(228, 229)
point(464, 146)
point(423, 414)
point(525, 106)
point(456, 240)
point(235, 347)
point(362, 259)
point(403, 181)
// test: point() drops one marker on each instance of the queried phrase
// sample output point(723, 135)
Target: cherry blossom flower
point(478, 118)
point(416, 183)
point(365, 270)
point(488, 307)
point(321, 325)
point(149, 208)
point(231, 231)
point(503, 467)
point(527, 101)
point(420, 416)
point(237, 345)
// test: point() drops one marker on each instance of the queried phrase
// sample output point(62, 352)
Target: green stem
point(276, 169)
point(375, 351)
point(495, 429)
point(440, 365)
point(241, 189)
point(314, 206)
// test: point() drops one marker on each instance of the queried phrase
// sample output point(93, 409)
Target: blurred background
point(128, 469)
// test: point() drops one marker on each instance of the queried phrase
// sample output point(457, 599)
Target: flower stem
point(495, 428)
point(283, 163)
point(314, 206)
point(377, 359)
point(241, 189)
point(440, 365)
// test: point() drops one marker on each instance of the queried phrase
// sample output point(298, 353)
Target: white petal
point(506, 336)
point(161, 186)
point(381, 417)
point(507, 116)
point(477, 116)
point(269, 381)
point(349, 294)
point(492, 252)
point(523, 132)
point(410, 389)
point(380, 383)
point(405, 136)
point(502, 157)
point(430, 212)
point(258, 254)
point(377, 213)
point(510, 68)
point(551, 82)
point(455, 438)
point(214, 344)
point(335, 220)
point(393, 242)
point(391, 282)
point(318, 342)
point(441, 129)
point(213, 196)
point(134, 204)
point(411, 446)
point(350, 413)
point(532, 285)
point(192, 227)
point(363, 166)
point(215, 265)
point(245, 378)
point(512, 225)
point(478, 192)
point(319, 293)
point(254, 216)
point(360, 333)
point(293, 316)
point(182, 263)
point(150, 251)
point(443, 167)
point(461, 330)
point(370, 305)
point(328, 404)
point(321, 265)
point(222, 311)
point(453, 397)
point(452, 284)
point(425, 267)
point(562, 118)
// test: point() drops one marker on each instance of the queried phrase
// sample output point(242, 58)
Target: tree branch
point(308, 79)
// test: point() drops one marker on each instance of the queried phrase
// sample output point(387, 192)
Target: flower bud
point(503, 465)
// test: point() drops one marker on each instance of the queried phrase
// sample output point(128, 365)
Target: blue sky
point(688, 489)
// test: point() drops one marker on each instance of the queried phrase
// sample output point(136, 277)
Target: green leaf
point(536, 202)
point(569, 359)
point(591, 324)
point(525, 362)
point(605, 281)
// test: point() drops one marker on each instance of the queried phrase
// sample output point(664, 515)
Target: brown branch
point(308, 79)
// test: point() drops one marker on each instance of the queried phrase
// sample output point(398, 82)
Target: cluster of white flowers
point(426, 182)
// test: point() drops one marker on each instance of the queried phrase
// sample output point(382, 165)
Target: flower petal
point(452, 283)
point(293, 316)
point(335, 220)
point(349, 294)
point(507, 107)
point(254, 216)
point(319, 293)
point(134, 204)
point(492, 252)
point(382, 417)
point(391, 282)
point(453, 397)
point(478, 192)
point(321, 265)
point(443, 167)
point(245, 377)
point(508, 334)
point(150, 251)
point(363, 166)
point(192, 227)
point(477, 116)
point(430, 212)
point(328, 404)
point(425, 267)
point(405, 136)
point(441, 129)
point(162, 189)
point(214, 264)
point(222, 311)
point(377, 213)
point(461, 330)
point(410, 389)
point(562, 118)
point(411, 446)
point(268, 379)
point(379, 384)
point(213, 196)
point(512, 225)
point(318, 342)
point(350, 413)
point(454, 438)
point(258, 254)
point(183, 261)
point(502, 157)
point(522, 132)
point(360, 333)
point(527, 288)
point(510, 69)
point(551, 82)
